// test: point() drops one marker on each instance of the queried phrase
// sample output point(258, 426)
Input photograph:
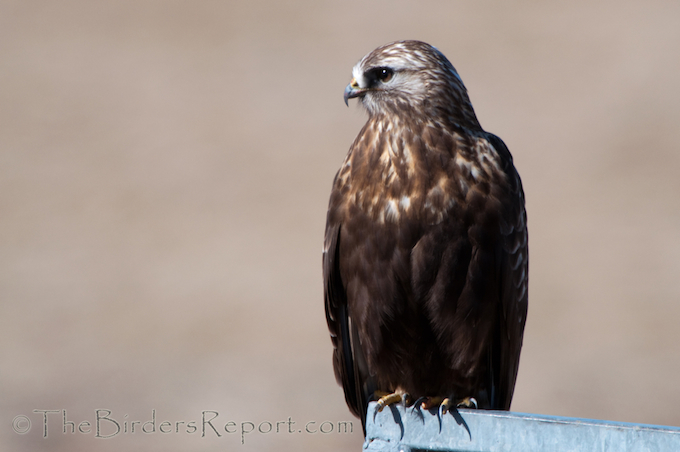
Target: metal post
point(400, 429)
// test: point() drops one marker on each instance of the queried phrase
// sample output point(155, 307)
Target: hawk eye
point(385, 74)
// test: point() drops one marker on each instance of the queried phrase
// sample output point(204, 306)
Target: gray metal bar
point(399, 429)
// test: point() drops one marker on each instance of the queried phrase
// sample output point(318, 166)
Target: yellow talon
point(431, 402)
point(387, 398)
point(468, 402)
point(445, 405)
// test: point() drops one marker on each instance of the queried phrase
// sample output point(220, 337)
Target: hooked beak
point(352, 90)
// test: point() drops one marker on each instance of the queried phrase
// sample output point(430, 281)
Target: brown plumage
point(425, 258)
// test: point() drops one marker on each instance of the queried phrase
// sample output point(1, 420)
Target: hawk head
point(410, 78)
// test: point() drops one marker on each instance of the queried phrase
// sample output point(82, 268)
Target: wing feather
point(342, 331)
point(514, 273)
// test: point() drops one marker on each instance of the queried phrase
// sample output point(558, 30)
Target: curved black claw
point(418, 402)
point(444, 406)
point(405, 399)
point(440, 417)
point(417, 408)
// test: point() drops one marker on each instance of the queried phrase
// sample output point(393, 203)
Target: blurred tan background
point(164, 175)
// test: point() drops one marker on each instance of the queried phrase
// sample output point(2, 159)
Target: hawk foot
point(387, 399)
point(445, 403)
point(431, 402)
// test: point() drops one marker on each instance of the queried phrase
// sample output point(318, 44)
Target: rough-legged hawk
point(425, 259)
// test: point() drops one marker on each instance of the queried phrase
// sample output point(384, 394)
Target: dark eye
point(385, 74)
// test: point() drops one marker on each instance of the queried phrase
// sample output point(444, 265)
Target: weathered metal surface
point(399, 429)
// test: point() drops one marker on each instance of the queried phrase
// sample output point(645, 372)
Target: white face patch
point(358, 74)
